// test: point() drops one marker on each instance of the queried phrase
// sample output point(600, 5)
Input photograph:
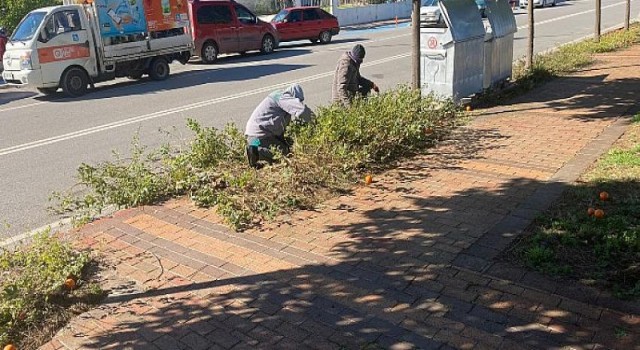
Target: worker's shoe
point(253, 156)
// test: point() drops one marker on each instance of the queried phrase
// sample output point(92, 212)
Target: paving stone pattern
point(407, 263)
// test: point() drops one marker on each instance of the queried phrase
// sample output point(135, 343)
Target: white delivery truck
point(83, 42)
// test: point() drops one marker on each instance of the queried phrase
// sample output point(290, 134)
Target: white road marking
point(572, 15)
point(145, 117)
point(20, 107)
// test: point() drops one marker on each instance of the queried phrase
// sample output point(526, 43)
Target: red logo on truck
point(63, 53)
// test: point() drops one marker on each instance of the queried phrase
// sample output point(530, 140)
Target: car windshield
point(429, 3)
point(28, 27)
point(280, 16)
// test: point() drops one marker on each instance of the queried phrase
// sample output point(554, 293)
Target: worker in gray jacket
point(268, 123)
point(347, 81)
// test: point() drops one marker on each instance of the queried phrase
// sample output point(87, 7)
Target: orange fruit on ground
point(368, 179)
point(10, 347)
point(604, 196)
point(591, 211)
point(599, 214)
point(428, 131)
point(70, 283)
point(468, 108)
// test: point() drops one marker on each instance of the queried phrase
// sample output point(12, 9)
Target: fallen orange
point(368, 179)
point(591, 211)
point(604, 196)
point(10, 347)
point(468, 108)
point(70, 283)
point(599, 213)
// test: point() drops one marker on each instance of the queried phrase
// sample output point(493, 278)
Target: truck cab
point(47, 45)
point(78, 43)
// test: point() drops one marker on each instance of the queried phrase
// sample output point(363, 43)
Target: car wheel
point(209, 53)
point(159, 69)
point(553, 3)
point(48, 91)
point(325, 37)
point(268, 45)
point(74, 82)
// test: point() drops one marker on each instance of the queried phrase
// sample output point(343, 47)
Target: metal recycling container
point(452, 57)
point(502, 24)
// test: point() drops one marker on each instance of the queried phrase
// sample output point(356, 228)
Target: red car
point(313, 23)
point(228, 27)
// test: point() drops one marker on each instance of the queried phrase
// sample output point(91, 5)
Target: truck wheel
point(159, 69)
point(268, 45)
point(74, 82)
point(325, 37)
point(209, 53)
point(48, 91)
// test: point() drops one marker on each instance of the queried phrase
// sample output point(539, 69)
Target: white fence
point(372, 13)
point(351, 12)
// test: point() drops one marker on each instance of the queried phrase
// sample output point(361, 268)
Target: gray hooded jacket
point(347, 80)
point(275, 112)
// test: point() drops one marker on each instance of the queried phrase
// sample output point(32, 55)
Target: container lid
point(463, 19)
point(500, 15)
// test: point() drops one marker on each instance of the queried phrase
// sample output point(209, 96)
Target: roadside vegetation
point(564, 60)
point(12, 11)
point(593, 233)
point(330, 155)
point(42, 285)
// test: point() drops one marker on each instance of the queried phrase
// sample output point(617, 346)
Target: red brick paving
point(405, 263)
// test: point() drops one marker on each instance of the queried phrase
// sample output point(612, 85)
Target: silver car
point(430, 15)
point(538, 3)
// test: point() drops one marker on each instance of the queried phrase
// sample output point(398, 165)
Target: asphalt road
point(44, 139)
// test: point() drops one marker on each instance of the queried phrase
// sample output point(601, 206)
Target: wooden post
point(415, 59)
point(627, 15)
point(530, 54)
point(597, 33)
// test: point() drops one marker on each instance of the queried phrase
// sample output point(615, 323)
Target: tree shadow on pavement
point(392, 281)
point(405, 263)
point(587, 96)
point(387, 271)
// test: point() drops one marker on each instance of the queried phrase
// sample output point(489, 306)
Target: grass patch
point(564, 60)
point(34, 301)
point(330, 155)
point(602, 252)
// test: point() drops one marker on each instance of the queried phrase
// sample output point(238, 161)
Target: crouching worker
point(268, 123)
point(347, 81)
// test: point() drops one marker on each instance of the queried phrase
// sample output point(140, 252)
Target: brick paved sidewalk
point(405, 263)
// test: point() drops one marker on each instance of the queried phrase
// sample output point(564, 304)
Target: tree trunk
point(415, 25)
point(596, 35)
point(529, 62)
point(627, 15)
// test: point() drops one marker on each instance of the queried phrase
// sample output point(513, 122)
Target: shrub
point(328, 155)
point(32, 283)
